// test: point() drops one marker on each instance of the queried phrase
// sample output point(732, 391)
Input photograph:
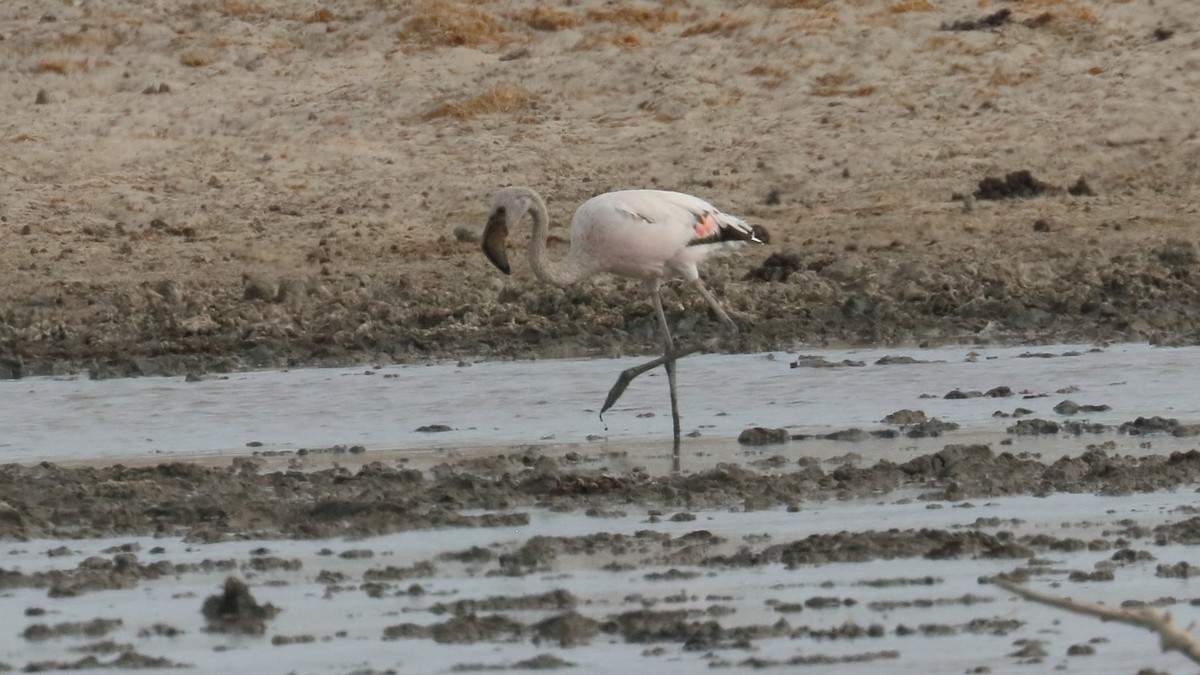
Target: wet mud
point(1069, 291)
point(210, 504)
point(249, 501)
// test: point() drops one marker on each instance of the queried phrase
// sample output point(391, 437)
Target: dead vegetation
point(841, 83)
point(799, 4)
point(723, 25)
point(196, 58)
point(546, 18)
point(911, 6)
point(820, 20)
point(87, 36)
point(502, 98)
point(443, 24)
point(624, 40)
point(59, 66)
point(647, 18)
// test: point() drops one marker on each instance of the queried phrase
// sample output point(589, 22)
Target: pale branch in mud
point(1171, 637)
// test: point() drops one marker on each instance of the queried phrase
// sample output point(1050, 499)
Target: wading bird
point(641, 234)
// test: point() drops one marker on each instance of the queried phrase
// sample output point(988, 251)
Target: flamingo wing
point(639, 232)
point(706, 223)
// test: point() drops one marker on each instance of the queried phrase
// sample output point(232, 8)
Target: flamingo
point(640, 234)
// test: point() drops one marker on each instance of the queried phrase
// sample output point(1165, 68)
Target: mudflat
point(216, 186)
point(204, 188)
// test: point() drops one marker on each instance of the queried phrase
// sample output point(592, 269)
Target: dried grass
point(888, 15)
point(839, 84)
point(443, 24)
point(764, 70)
point(60, 66)
point(322, 15)
point(1002, 79)
point(196, 58)
point(502, 98)
point(236, 8)
point(90, 37)
point(626, 40)
point(548, 18)
point(823, 20)
point(911, 6)
point(723, 25)
point(772, 76)
point(800, 4)
point(646, 18)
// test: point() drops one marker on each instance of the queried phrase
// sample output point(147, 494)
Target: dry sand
point(212, 186)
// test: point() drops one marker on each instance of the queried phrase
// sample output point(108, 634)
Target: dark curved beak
point(495, 235)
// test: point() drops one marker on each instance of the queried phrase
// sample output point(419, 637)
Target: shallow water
point(492, 405)
point(497, 404)
point(309, 610)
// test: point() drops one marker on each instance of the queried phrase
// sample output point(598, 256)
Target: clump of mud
point(1018, 184)
point(127, 659)
point(235, 610)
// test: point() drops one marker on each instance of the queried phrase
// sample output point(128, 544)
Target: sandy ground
point(214, 186)
point(211, 187)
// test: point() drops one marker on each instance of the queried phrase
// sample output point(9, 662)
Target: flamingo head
point(495, 236)
point(510, 204)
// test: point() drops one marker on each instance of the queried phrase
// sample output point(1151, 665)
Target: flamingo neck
point(561, 272)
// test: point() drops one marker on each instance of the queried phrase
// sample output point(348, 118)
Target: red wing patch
point(706, 226)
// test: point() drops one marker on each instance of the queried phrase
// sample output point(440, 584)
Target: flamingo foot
point(629, 374)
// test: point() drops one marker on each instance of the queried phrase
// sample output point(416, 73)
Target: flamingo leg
point(669, 349)
point(667, 360)
point(716, 306)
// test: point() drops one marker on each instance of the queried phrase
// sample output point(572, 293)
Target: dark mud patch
point(863, 546)
point(810, 660)
point(1158, 425)
point(539, 553)
point(92, 629)
point(235, 610)
point(539, 662)
point(1069, 407)
point(126, 660)
point(97, 573)
point(551, 600)
point(214, 504)
point(466, 629)
point(890, 360)
point(1015, 185)
point(813, 361)
point(967, 600)
point(691, 628)
point(993, 20)
point(763, 436)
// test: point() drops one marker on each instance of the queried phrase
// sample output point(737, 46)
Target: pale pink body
point(642, 234)
point(647, 234)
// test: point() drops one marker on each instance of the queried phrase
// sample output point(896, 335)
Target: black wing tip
point(757, 233)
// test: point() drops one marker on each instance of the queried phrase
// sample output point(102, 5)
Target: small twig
point(1170, 636)
point(628, 374)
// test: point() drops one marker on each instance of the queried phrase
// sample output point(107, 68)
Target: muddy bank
point(904, 294)
point(925, 175)
point(208, 504)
